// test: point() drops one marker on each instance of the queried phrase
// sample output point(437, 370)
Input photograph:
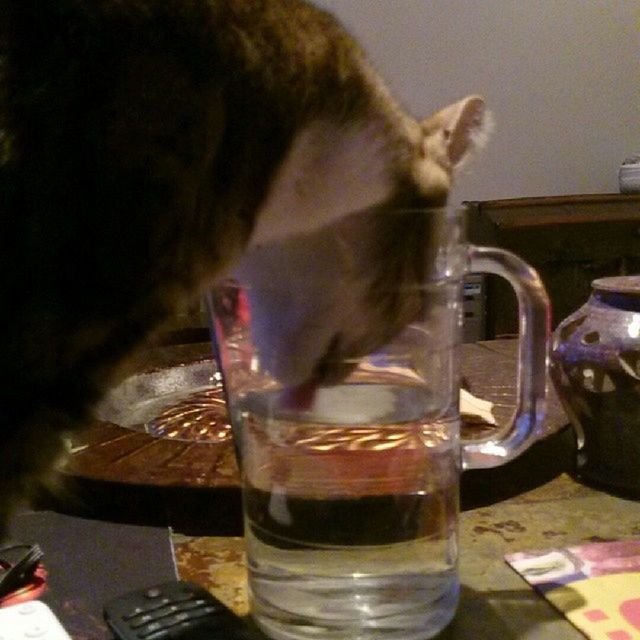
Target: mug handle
point(534, 328)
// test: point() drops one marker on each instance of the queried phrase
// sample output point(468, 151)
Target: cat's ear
point(452, 133)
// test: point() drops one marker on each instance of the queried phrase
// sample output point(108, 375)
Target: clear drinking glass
point(350, 486)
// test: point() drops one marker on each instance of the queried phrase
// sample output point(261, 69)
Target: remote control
point(176, 610)
point(30, 621)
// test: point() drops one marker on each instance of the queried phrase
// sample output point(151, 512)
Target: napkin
point(596, 586)
point(473, 409)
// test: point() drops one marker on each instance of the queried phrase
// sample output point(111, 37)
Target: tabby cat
point(149, 146)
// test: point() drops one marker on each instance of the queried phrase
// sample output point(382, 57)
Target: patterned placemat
point(596, 586)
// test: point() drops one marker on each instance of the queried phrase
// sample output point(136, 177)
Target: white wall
point(562, 78)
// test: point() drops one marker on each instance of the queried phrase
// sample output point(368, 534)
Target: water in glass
point(350, 511)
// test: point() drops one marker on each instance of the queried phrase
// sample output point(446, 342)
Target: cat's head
point(346, 233)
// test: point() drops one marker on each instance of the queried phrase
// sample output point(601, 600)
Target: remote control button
point(193, 604)
point(146, 608)
point(152, 605)
point(141, 620)
point(155, 614)
point(26, 608)
point(207, 611)
point(159, 635)
point(176, 619)
point(150, 628)
point(36, 631)
point(165, 611)
point(133, 613)
point(154, 593)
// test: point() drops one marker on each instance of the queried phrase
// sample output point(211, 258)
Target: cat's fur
point(145, 145)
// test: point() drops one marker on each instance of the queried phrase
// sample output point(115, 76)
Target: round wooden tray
point(123, 474)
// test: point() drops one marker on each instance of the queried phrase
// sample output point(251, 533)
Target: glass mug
point(350, 495)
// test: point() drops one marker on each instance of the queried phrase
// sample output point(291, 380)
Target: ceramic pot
point(595, 368)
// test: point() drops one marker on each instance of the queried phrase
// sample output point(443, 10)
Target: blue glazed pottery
point(595, 368)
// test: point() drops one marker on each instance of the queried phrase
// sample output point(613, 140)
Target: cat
point(150, 147)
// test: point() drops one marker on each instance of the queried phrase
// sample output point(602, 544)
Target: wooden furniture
point(570, 240)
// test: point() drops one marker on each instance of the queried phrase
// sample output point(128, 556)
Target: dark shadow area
point(504, 615)
point(618, 492)
point(191, 511)
point(540, 464)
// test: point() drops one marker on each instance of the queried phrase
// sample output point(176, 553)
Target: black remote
point(176, 610)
